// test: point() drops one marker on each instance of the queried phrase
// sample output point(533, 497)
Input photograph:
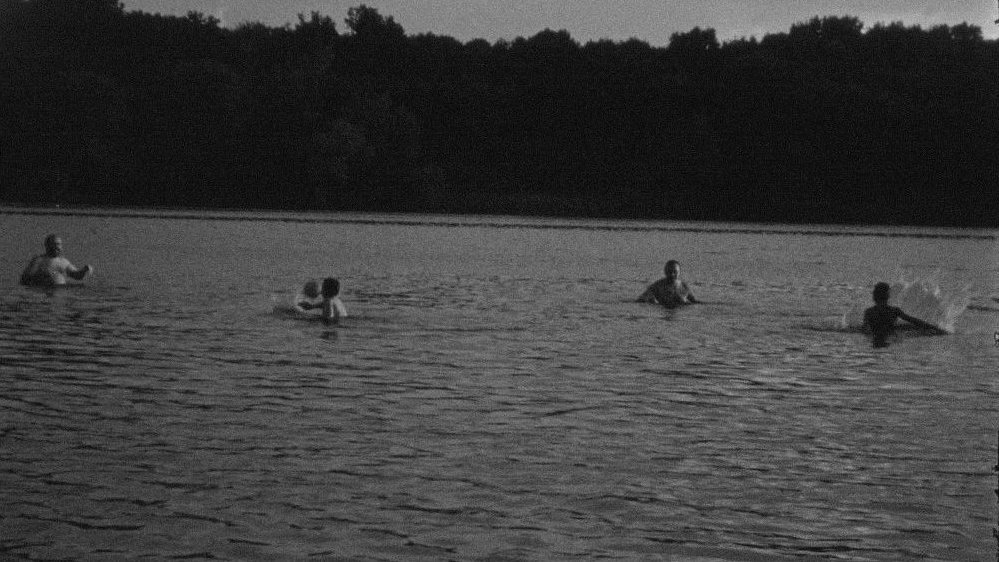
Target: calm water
point(493, 396)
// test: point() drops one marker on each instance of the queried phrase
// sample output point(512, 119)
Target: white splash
point(923, 299)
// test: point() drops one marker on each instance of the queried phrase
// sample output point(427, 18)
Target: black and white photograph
point(523, 280)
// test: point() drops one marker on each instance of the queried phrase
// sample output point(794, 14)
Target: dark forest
point(830, 122)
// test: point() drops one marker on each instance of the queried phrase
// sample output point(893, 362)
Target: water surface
point(494, 395)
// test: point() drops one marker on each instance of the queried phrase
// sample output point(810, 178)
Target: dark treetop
point(828, 122)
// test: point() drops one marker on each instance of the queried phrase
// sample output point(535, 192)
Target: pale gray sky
point(650, 20)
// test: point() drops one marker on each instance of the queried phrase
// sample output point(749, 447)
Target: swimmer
point(51, 268)
point(333, 309)
point(880, 318)
point(311, 292)
point(669, 291)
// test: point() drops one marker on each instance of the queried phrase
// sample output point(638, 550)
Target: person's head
point(672, 269)
point(311, 289)
point(53, 246)
point(331, 287)
point(881, 293)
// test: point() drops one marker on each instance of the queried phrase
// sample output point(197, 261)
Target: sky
point(652, 21)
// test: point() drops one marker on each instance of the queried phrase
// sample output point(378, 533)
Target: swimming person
point(669, 291)
point(333, 309)
point(51, 268)
point(311, 293)
point(880, 318)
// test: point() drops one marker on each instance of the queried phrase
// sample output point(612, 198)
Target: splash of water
point(923, 299)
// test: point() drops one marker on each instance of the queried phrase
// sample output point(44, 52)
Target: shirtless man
point(880, 318)
point(51, 269)
point(669, 291)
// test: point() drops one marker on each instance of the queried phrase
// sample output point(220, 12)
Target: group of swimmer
point(327, 300)
point(879, 320)
point(52, 269)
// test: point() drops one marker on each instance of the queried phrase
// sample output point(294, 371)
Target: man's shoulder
point(882, 310)
point(873, 311)
point(37, 262)
point(47, 259)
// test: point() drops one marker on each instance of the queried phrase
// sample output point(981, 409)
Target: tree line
point(831, 121)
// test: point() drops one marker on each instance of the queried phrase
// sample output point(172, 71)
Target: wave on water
point(923, 299)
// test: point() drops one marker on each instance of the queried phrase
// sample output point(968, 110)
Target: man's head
point(311, 289)
point(881, 293)
point(53, 246)
point(672, 269)
point(331, 287)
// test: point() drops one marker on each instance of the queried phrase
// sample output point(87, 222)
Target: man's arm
point(690, 295)
point(647, 296)
point(920, 323)
point(78, 274)
point(867, 325)
point(28, 272)
point(651, 294)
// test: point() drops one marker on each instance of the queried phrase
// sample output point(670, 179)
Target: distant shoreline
point(501, 221)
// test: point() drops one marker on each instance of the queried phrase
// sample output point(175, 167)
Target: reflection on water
point(494, 395)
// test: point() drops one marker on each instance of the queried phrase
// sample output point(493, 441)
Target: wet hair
point(331, 287)
point(881, 292)
point(311, 289)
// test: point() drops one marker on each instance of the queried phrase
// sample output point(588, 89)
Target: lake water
point(494, 394)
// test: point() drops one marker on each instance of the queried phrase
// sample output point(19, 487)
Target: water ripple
point(522, 413)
